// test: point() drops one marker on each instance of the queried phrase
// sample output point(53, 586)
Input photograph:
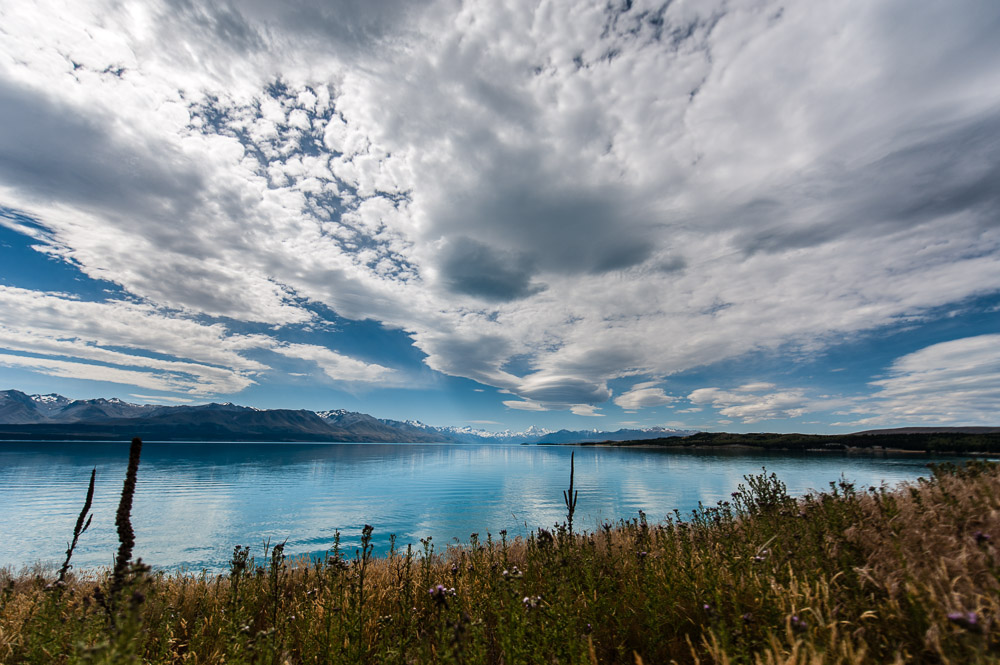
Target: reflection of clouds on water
point(195, 502)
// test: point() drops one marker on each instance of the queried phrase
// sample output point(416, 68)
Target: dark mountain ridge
point(54, 417)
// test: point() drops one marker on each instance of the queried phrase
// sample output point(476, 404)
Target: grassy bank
point(848, 576)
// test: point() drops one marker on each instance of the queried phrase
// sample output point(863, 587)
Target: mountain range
point(54, 417)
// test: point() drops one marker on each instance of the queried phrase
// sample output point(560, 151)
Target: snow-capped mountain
point(53, 416)
point(541, 435)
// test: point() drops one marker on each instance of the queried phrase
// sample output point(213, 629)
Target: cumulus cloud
point(956, 382)
point(599, 191)
point(643, 395)
point(585, 410)
point(753, 402)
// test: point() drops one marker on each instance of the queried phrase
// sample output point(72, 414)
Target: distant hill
point(54, 417)
point(933, 430)
point(944, 440)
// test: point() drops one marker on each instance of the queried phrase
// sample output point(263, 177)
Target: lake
point(195, 501)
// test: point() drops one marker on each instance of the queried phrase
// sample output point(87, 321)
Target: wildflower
point(967, 620)
point(454, 569)
point(513, 572)
point(981, 537)
point(532, 602)
point(642, 555)
point(440, 593)
point(588, 629)
point(798, 623)
point(747, 618)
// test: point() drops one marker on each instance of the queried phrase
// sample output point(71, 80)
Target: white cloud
point(643, 395)
point(335, 365)
point(951, 383)
point(585, 410)
point(525, 405)
point(603, 195)
point(201, 359)
point(152, 399)
point(166, 382)
point(748, 404)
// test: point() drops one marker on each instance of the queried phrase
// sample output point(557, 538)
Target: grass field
point(852, 575)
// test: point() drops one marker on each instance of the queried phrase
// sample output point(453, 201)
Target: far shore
point(931, 442)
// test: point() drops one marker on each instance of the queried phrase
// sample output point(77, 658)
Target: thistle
point(570, 496)
point(80, 527)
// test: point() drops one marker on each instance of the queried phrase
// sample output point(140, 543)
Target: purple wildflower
point(967, 620)
point(440, 593)
point(981, 537)
point(798, 623)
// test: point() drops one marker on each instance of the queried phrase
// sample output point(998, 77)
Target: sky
point(741, 215)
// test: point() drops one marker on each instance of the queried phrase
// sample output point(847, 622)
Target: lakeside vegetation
point(851, 575)
point(941, 442)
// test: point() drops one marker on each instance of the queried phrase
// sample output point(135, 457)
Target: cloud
point(335, 365)
point(147, 399)
point(472, 268)
point(753, 402)
point(955, 382)
point(167, 382)
point(585, 410)
point(643, 395)
point(598, 192)
point(195, 358)
point(524, 405)
point(561, 390)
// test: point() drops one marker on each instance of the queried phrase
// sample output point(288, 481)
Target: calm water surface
point(195, 501)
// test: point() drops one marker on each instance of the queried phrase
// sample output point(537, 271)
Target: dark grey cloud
point(928, 174)
point(476, 269)
point(551, 227)
point(66, 153)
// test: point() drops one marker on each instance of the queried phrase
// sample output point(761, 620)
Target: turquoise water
point(195, 501)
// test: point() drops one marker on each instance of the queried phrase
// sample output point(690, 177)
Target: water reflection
point(194, 502)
